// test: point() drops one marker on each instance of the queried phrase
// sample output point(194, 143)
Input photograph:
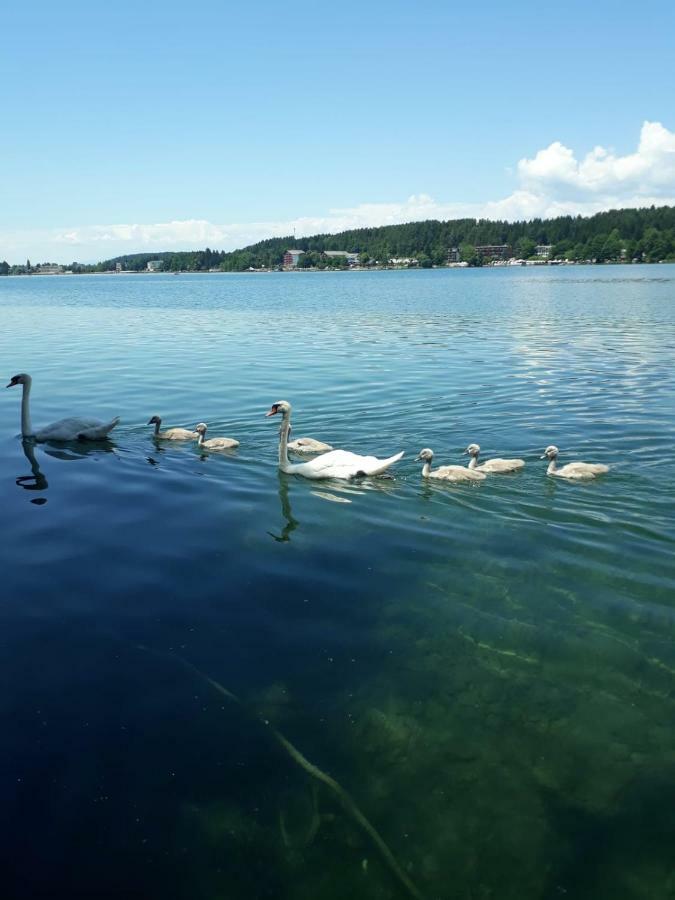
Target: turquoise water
point(488, 671)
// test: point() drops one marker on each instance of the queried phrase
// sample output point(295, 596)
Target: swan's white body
point(171, 434)
point(74, 428)
point(447, 473)
point(492, 466)
point(572, 470)
point(335, 464)
point(213, 443)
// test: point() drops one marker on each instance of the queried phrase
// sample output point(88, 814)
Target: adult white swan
point(171, 434)
point(75, 428)
point(336, 464)
point(571, 470)
point(492, 466)
point(447, 473)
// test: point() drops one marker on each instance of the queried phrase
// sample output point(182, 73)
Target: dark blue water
point(488, 671)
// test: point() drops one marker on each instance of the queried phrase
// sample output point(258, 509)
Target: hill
point(646, 235)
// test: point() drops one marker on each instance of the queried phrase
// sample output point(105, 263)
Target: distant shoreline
point(351, 269)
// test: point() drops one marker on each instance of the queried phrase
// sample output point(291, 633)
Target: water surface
point(488, 670)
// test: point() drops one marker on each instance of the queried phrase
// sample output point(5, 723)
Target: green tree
point(595, 248)
point(439, 256)
point(4, 268)
point(577, 253)
point(525, 248)
point(467, 252)
point(560, 249)
point(613, 246)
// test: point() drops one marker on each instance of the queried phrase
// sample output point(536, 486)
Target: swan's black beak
point(11, 384)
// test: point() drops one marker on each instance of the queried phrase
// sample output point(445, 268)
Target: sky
point(147, 126)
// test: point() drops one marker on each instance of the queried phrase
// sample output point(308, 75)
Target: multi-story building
point(543, 251)
point(291, 258)
point(155, 265)
point(453, 255)
point(493, 252)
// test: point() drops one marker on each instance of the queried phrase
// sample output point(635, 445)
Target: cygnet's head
point(550, 452)
point(155, 420)
point(19, 379)
point(281, 406)
point(473, 449)
point(427, 455)
point(201, 428)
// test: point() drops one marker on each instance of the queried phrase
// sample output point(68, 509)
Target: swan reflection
point(286, 512)
point(338, 492)
point(37, 480)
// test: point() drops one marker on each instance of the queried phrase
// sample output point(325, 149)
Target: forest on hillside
point(642, 235)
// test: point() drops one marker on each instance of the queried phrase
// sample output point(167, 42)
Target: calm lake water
point(488, 671)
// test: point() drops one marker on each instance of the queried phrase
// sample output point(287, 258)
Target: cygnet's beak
point(544, 456)
point(418, 457)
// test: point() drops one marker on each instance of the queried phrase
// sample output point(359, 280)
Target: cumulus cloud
point(553, 182)
point(601, 179)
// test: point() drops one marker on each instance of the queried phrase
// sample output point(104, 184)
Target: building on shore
point(352, 258)
point(291, 258)
point(48, 269)
point(454, 255)
point(494, 252)
point(155, 265)
point(543, 251)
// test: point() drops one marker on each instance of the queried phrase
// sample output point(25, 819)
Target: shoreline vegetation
point(625, 236)
point(316, 271)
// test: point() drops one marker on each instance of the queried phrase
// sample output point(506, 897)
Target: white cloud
point(554, 182)
point(601, 173)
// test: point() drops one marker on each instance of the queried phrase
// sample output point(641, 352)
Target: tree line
point(641, 235)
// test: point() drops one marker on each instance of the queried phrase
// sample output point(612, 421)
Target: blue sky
point(130, 126)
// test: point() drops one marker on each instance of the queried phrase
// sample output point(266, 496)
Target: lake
point(224, 682)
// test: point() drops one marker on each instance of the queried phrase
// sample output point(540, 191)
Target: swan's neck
point(426, 469)
point(26, 426)
point(200, 439)
point(284, 464)
point(552, 466)
point(157, 424)
point(473, 462)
